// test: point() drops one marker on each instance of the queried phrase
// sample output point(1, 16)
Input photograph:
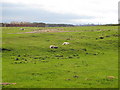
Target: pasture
point(88, 61)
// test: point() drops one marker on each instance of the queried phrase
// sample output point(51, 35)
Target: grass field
point(89, 61)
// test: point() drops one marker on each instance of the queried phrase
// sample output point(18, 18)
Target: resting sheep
point(53, 46)
point(65, 43)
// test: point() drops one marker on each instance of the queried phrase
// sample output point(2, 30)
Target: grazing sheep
point(65, 43)
point(22, 29)
point(53, 46)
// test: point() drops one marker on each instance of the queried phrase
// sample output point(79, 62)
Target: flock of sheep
point(53, 46)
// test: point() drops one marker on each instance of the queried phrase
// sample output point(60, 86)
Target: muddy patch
point(58, 30)
point(44, 30)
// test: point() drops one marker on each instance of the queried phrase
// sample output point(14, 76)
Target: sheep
point(66, 43)
point(22, 29)
point(53, 46)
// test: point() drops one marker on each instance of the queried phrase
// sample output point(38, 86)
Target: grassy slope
point(66, 67)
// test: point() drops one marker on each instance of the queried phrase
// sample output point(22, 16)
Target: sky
point(61, 11)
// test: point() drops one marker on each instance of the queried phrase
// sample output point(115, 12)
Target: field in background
point(88, 62)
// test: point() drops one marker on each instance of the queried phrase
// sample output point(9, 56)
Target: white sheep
point(22, 29)
point(53, 46)
point(65, 43)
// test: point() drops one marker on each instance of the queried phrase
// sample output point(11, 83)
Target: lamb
point(53, 46)
point(66, 43)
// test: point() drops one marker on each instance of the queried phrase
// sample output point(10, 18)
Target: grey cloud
point(12, 5)
point(11, 11)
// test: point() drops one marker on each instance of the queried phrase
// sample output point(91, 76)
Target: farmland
point(87, 62)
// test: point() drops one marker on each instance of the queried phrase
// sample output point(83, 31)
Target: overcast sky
point(61, 11)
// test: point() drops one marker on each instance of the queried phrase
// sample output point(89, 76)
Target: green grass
point(85, 63)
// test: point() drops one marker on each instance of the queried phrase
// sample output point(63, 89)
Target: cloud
point(13, 12)
point(71, 11)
